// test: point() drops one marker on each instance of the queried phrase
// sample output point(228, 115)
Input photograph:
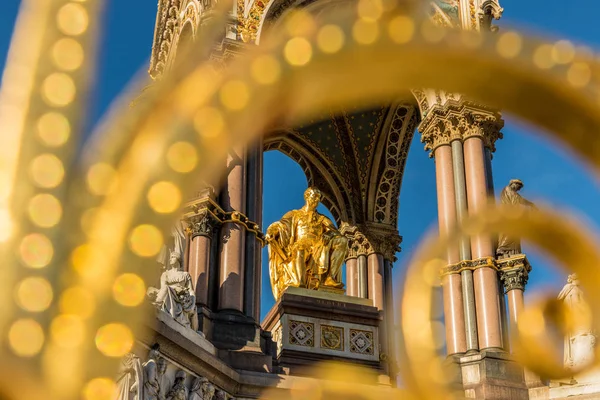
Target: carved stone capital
point(358, 244)
point(201, 224)
point(514, 272)
point(372, 238)
point(460, 120)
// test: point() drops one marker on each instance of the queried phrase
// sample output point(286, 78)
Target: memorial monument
point(208, 332)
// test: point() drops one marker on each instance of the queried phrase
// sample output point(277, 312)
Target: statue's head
point(312, 196)
point(162, 365)
point(516, 184)
point(573, 278)
point(175, 259)
point(180, 376)
point(153, 354)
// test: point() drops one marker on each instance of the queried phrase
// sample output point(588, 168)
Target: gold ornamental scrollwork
point(96, 243)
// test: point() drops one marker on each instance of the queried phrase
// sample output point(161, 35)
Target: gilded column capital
point(460, 120)
point(514, 272)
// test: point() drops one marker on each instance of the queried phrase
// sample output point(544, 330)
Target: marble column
point(363, 290)
point(252, 281)
point(199, 257)
point(487, 296)
point(451, 284)
point(376, 292)
point(233, 236)
point(352, 277)
point(464, 246)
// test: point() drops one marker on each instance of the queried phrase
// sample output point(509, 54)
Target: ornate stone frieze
point(166, 28)
point(459, 120)
point(514, 272)
point(157, 378)
point(204, 214)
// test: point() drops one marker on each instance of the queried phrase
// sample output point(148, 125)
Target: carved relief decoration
point(361, 342)
point(302, 333)
point(384, 196)
point(164, 34)
point(332, 337)
point(152, 381)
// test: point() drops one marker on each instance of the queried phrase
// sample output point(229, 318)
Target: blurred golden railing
point(77, 238)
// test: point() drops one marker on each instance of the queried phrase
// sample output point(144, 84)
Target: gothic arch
point(389, 162)
point(318, 172)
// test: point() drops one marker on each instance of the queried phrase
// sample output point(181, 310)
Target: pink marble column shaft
point(454, 314)
point(352, 277)
point(375, 279)
point(487, 296)
point(232, 240)
point(515, 305)
point(198, 267)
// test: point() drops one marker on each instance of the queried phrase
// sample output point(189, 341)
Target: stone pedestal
point(492, 375)
point(309, 326)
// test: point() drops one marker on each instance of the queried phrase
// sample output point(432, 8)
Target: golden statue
point(305, 249)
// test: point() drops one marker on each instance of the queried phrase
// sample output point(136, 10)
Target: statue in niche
point(176, 295)
point(130, 378)
point(198, 388)
point(305, 249)
point(509, 246)
point(152, 375)
point(580, 342)
point(178, 391)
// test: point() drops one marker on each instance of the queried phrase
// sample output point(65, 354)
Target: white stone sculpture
point(130, 378)
point(581, 341)
point(152, 375)
point(197, 389)
point(178, 391)
point(176, 295)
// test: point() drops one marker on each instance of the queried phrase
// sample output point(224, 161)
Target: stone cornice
point(460, 120)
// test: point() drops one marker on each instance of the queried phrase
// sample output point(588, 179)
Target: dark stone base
point(310, 326)
point(492, 375)
point(240, 341)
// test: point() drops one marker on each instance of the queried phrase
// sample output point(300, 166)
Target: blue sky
point(550, 174)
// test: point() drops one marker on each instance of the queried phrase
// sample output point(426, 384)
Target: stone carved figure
point(163, 380)
point(508, 246)
point(178, 391)
point(130, 379)
point(305, 249)
point(152, 375)
point(580, 342)
point(208, 391)
point(197, 389)
point(176, 295)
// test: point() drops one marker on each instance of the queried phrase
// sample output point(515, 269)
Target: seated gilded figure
point(305, 249)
